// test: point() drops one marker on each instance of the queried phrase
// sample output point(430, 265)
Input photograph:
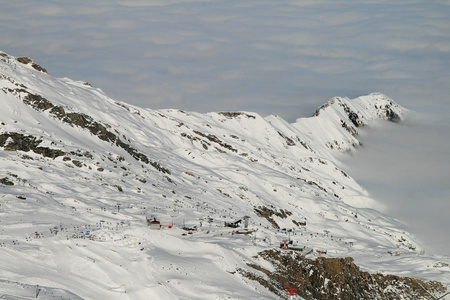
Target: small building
point(154, 224)
point(233, 224)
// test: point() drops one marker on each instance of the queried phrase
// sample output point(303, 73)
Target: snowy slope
point(73, 160)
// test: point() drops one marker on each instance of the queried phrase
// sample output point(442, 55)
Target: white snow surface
point(222, 166)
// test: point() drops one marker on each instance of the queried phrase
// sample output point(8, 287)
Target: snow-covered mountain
point(82, 175)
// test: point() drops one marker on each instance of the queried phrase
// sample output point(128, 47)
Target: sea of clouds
point(270, 57)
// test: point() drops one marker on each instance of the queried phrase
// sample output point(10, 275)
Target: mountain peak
point(337, 122)
point(363, 110)
point(26, 61)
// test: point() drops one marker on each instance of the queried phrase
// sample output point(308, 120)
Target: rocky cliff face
point(334, 278)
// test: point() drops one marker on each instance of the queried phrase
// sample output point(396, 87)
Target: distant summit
point(364, 109)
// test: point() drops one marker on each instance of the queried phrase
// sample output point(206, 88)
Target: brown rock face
point(334, 278)
point(26, 61)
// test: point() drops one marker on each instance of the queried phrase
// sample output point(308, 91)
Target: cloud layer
point(406, 168)
point(270, 57)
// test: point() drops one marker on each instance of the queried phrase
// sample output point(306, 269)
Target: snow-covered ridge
point(363, 110)
point(349, 114)
point(72, 160)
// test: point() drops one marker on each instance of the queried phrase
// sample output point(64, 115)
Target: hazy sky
point(270, 57)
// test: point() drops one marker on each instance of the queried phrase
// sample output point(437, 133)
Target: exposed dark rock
point(205, 144)
point(322, 107)
point(350, 129)
point(84, 121)
point(303, 144)
point(37, 102)
point(333, 278)
point(18, 142)
point(6, 181)
point(141, 180)
point(58, 111)
point(299, 223)
point(391, 115)
point(77, 163)
point(77, 119)
point(15, 141)
point(215, 139)
point(235, 114)
point(39, 68)
point(288, 140)
point(354, 118)
point(313, 183)
point(268, 213)
point(26, 61)
point(48, 152)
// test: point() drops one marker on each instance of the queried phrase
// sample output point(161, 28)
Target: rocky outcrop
point(6, 181)
point(26, 61)
point(84, 121)
point(12, 141)
point(333, 278)
point(268, 213)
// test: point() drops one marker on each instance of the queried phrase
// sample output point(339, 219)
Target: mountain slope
point(74, 160)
